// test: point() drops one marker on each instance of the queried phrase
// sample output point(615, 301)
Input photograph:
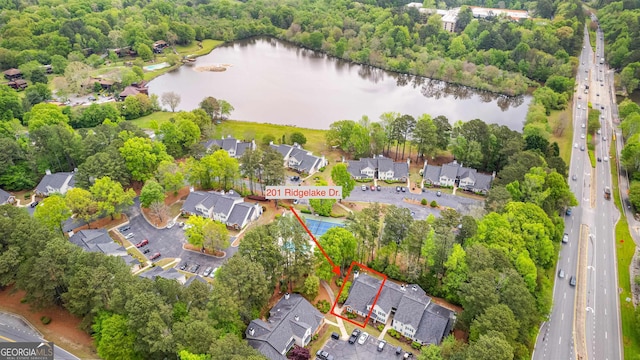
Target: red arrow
point(335, 268)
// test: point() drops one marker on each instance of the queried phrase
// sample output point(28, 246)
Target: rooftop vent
point(252, 331)
point(414, 288)
point(286, 296)
point(402, 287)
point(297, 318)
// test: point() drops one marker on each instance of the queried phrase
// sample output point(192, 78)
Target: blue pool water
point(156, 66)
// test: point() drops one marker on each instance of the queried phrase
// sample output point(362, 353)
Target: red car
point(142, 243)
point(154, 256)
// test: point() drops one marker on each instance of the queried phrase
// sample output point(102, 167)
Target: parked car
point(146, 251)
point(142, 243)
point(399, 350)
point(363, 338)
point(364, 187)
point(125, 228)
point(154, 256)
point(171, 224)
point(561, 274)
point(572, 281)
point(34, 204)
point(354, 336)
point(181, 224)
point(381, 345)
point(379, 188)
point(183, 266)
point(335, 336)
point(407, 355)
point(193, 268)
point(569, 211)
point(403, 189)
point(397, 188)
point(213, 272)
point(323, 355)
point(207, 271)
point(438, 193)
point(373, 188)
point(565, 238)
point(129, 236)
point(92, 98)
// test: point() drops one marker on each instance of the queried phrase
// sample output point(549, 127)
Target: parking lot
point(169, 242)
point(342, 350)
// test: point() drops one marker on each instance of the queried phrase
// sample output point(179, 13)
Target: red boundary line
point(375, 300)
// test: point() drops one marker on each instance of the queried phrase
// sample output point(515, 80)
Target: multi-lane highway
point(603, 316)
point(598, 321)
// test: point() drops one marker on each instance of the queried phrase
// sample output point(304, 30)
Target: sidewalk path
point(340, 323)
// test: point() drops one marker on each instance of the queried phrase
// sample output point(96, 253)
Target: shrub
point(314, 337)
point(423, 202)
point(23, 301)
point(393, 332)
point(416, 345)
point(380, 327)
point(305, 211)
point(322, 169)
point(351, 315)
point(345, 292)
point(324, 306)
point(434, 204)
point(339, 282)
point(45, 320)
point(27, 195)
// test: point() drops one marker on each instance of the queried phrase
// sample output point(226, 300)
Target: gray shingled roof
point(241, 147)
point(239, 214)
point(72, 223)
point(193, 199)
point(283, 149)
point(385, 164)
point(434, 324)
point(483, 182)
point(223, 204)
point(196, 278)
point(55, 181)
point(450, 170)
point(87, 239)
point(382, 164)
point(407, 310)
point(4, 197)
point(266, 349)
point(400, 170)
point(431, 173)
point(282, 325)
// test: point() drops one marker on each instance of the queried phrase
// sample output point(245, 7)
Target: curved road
point(14, 329)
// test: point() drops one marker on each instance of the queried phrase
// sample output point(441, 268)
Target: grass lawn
point(137, 254)
point(624, 252)
point(251, 130)
point(194, 50)
point(158, 116)
point(174, 209)
point(563, 138)
point(320, 341)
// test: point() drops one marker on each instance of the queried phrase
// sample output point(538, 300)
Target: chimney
point(493, 175)
point(356, 274)
point(409, 162)
point(270, 142)
point(414, 288)
point(48, 172)
point(297, 318)
point(286, 296)
point(252, 331)
point(402, 287)
point(191, 189)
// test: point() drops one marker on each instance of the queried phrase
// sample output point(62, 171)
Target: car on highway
point(606, 159)
point(364, 187)
point(572, 281)
point(561, 274)
point(142, 243)
point(574, 177)
point(583, 126)
point(582, 148)
point(363, 338)
point(599, 160)
point(154, 256)
point(565, 238)
point(575, 145)
point(354, 336)
point(581, 136)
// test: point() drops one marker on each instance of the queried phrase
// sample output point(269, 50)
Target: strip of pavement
point(580, 300)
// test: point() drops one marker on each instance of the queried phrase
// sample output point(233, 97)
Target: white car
point(129, 236)
point(581, 136)
point(583, 126)
point(575, 145)
point(578, 106)
point(170, 224)
point(363, 338)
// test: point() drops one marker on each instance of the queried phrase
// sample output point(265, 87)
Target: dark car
point(142, 243)
point(354, 336)
point(572, 281)
point(92, 98)
point(568, 211)
point(183, 266)
point(146, 251)
point(379, 188)
point(154, 256)
point(335, 336)
point(125, 228)
point(34, 204)
point(403, 189)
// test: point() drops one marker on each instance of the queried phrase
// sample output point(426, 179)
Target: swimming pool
point(156, 66)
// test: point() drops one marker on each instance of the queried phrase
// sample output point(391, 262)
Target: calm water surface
point(274, 82)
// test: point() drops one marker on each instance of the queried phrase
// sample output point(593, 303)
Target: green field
point(625, 248)
point(562, 118)
point(159, 117)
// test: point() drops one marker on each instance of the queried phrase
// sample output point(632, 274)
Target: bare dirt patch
point(215, 253)
point(63, 330)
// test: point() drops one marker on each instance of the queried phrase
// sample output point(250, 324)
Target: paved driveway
point(168, 242)
point(388, 195)
point(342, 350)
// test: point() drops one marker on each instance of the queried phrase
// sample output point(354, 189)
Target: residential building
point(169, 274)
point(55, 183)
point(481, 13)
point(6, 198)
point(449, 19)
point(18, 84)
point(134, 89)
point(450, 16)
point(99, 241)
point(197, 278)
point(298, 159)
point(454, 174)
point(380, 168)
point(227, 208)
point(234, 147)
point(159, 45)
point(12, 74)
point(292, 321)
point(411, 311)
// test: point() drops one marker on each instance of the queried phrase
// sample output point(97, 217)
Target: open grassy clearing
point(560, 122)
point(320, 341)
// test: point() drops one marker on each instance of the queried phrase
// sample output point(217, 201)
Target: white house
point(227, 208)
point(380, 168)
point(234, 147)
point(299, 159)
point(55, 183)
point(454, 174)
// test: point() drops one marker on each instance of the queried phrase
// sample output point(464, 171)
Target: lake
point(270, 81)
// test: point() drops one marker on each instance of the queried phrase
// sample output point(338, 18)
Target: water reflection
point(278, 82)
